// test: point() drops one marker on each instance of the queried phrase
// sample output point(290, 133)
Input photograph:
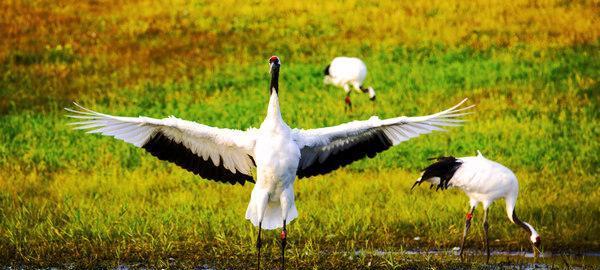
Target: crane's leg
point(347, 100)
point(348, 106)
point(283, 244)
point(259, 244)
point(467, 226)
point(485, 234)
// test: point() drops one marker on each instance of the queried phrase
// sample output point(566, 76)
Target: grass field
point(531, 67)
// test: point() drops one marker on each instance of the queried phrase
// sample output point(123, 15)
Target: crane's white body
point(277, 156)
point(348, 71)
point(485, 181)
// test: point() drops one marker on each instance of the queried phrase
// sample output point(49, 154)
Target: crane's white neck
point(274, 112)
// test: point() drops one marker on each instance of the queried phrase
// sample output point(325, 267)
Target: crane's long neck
point(274, 112)
point(512, 215)
point(534, 237)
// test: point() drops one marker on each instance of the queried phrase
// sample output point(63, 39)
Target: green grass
point(67, 197)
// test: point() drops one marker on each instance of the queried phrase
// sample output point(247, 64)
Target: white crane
point(345, 72)
point(277, 152)
point(484, 181)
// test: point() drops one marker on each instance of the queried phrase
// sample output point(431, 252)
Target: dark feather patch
point(368, 147)
point(444, 168)
point(164, 148)
point(326, 71)
point(517, 221)
point(364, 89)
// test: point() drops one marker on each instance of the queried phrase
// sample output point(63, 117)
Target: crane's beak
point(415, 184)
point(536, 247)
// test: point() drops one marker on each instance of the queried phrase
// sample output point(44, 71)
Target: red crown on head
point(273, 58)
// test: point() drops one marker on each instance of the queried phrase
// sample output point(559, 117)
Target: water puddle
point(454, 252)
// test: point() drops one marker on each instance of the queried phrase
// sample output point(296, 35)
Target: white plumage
point(348, 72)
point(483, 181)
point(278, 152)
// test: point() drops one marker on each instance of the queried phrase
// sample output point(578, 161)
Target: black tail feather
point(326, 71)
point(444, 168)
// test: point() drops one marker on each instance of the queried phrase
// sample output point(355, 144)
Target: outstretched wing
point(326, 149)
point(218, 154)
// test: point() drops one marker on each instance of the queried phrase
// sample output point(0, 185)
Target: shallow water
point(499, 259)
